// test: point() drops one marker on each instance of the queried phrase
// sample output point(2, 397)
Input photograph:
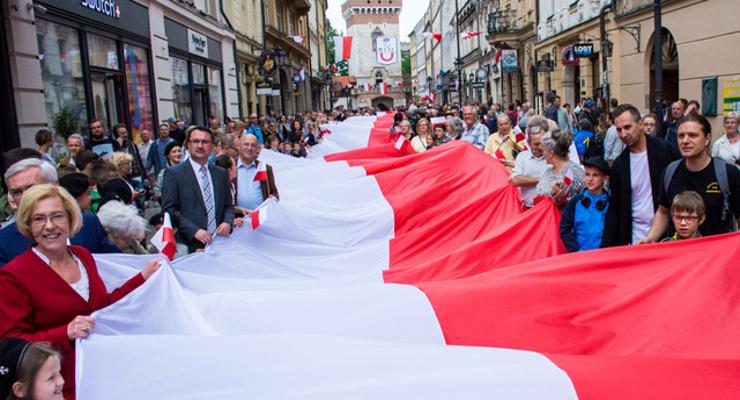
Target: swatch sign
point(105, 7)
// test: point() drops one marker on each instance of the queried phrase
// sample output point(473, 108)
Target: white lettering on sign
point(105, 7)
point(197, 43)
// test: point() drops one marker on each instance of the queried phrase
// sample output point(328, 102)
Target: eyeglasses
point(204, 142)
point(17, 193)
point(250, 145)
point(687, 218)
point(40, 220)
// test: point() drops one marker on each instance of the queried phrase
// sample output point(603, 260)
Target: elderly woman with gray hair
point(562, 178)
point(455, 127)
point(727, 147)
point(124, 226)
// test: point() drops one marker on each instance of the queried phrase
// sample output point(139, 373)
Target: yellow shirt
point(506, 145)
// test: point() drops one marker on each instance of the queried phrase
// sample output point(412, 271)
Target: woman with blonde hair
point(727, 147)
point(423, 132)
point(48, 292)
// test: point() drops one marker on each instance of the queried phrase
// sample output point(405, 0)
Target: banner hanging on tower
point(387, 50)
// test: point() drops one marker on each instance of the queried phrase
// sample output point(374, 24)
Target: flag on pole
point(334, 68)
point(302, 74)
point(258, 217)
point(164, 239)
point(383, 88)
point(399, 84)
point(342, 48)
point(500, 154)
point(433, 35)
point(520, 136)
point(261, 174)
point(469, 35)
point(298, 39)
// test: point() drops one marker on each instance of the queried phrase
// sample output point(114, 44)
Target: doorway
point(200, 105)
point(669, 54)
point(109, 101)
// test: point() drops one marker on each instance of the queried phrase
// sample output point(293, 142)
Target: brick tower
point(367, 20)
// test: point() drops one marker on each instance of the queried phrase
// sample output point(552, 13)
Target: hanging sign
point(387, 50)
point(545, 66)
point(509, 61)
point(569, 56)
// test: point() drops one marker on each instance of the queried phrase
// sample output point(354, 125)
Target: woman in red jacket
point(48, 292)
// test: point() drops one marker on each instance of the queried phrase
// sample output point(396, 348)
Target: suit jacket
point(91, 236)
point(618, 224)
point(36, 304)
point(182, 198)
point(268, 187)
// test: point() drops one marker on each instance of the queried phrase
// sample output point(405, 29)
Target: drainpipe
point(658, 56)
point(604, 46)
point(236, 62)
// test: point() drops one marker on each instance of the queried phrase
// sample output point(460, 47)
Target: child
point(31, 371)
point(687, 211)
point(582, 221)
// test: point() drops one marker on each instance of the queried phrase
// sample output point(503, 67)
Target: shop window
point(215, 105)
point(103, 52)
point(61, 71)
point(199, 74)
point(139, 90)
point(181, 90)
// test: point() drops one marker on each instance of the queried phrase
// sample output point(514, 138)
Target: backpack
point(720, 170)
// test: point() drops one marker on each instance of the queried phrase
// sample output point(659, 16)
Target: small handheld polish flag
point(164, 239)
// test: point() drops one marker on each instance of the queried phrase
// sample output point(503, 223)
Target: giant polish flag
point(381, 274)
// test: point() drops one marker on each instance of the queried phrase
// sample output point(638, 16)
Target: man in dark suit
point(634, 180)
point(198, 196)
point(25, 174)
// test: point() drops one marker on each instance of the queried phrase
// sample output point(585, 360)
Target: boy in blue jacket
point(582, 221)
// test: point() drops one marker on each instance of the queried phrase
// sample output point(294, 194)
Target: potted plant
point(66, 123)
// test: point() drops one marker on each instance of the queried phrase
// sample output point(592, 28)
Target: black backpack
point(720, 170)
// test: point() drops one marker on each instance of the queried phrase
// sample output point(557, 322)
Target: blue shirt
point(476, 135)
point(248, 191)
point(156, 160)
point(256, 131)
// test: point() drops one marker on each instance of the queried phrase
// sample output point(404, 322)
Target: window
point(61, 71)
point(103, 52)
point(215, 105)
point(374, 37)
point(378, 78)
point(181, 90)
point(139, 91)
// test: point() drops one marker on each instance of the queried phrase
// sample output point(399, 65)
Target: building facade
point(244, 17)
point(291, 84)
point(366, 22)
point(136, 63)
point(320, 82)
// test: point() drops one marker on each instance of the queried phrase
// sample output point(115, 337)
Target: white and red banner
point(386, 50)
point(470, 35)
point(433, 35)
point(297, 39)
point(342, 48)
point(385, 274)
point(383, 88)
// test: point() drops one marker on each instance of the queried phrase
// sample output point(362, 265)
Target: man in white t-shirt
point(530, 164)
point(634, 179)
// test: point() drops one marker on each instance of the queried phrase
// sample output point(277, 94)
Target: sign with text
point(197, 43)
point(569, 57)
point(583, 50)
point(387, 50)
point(731, 96)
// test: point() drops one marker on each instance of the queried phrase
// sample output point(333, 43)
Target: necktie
point(205, 187)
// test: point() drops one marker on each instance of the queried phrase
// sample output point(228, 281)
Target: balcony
point(505, 27)
point(302, 5)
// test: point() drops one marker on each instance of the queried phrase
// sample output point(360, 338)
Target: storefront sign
point(124, 15)
point(583, 50)
point(545, 66)
point(478, 85)
point(481, 73)
point(569, 57)
point(105, 7)
point(731, 96)
point(197, 43)
point(509, 61)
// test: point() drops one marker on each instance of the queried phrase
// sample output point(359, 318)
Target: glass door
point(200, 105)
point(108, 100)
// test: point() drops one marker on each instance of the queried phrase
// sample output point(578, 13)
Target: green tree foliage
point(406, 63)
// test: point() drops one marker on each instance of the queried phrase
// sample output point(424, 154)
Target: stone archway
point(670, 67)
point(382, 103)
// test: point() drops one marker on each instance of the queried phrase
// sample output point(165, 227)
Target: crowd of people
point(616, 177)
